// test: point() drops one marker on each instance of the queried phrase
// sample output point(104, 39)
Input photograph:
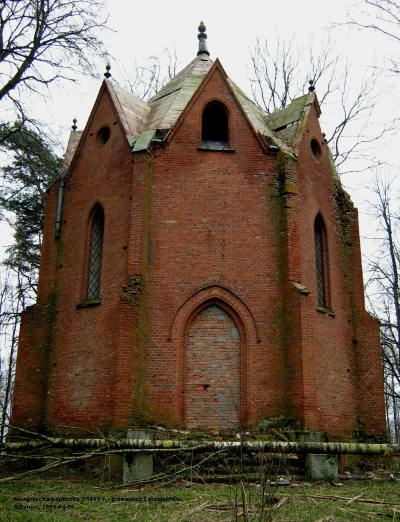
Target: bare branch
point(383, 287)
point(381, 17)
point(146, 80)
point(281, 72)
point(43, 41)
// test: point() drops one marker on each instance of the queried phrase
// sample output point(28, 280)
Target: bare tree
point(42, 41)
point(146, 80)
point(383, 290)
point(281, 71)
point(274, 82)
point(354, 129)
point(12, 302)
point(383, 17)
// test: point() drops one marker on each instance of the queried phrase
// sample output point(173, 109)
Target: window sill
point(216, 147)
point(89, 303)
point(325, 311)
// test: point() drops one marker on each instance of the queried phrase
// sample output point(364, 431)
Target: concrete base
point(107, 462)
point(137, 466)
point(322, 467)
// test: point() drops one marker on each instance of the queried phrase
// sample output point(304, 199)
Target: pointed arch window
point(215, 126)
point(321, 262)
point(96, 253)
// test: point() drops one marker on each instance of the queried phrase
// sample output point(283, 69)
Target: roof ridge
point(132, 111)
point(184, 73)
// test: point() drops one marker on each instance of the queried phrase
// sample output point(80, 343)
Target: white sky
point(142, 29)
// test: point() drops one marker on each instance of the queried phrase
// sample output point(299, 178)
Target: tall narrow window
point(96, 250)
point(321, 262)
point(215, 131)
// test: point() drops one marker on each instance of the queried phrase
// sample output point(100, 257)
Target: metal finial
point(202, 40)
point(74, 127)
point(311, 87)
point(107, 74)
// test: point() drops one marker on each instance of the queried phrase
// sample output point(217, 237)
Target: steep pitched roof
point(285, 123)
point(133, 112)
point(254, 113)
point(168, 104)
point(164, 109)
point(73, 141)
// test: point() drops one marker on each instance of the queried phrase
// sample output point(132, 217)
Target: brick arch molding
point(241, 316)
point(219, 295)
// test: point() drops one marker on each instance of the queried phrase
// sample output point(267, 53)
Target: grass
point(184, 501)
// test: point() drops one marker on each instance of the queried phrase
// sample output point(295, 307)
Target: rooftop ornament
point(107, 74)
point(202, 40)
point(74, 127)
point(311, 87)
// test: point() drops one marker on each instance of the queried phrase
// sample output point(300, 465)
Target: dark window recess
point(96, 249)
point(315, 149)
point(215, 134)
point(103, 136)
point(321, 262)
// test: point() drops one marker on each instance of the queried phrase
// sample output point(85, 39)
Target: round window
point(103, 136)
point(315, 148)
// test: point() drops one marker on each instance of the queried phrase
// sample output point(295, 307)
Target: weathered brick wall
point(212, 371)
point(35, 336)
point(366, 339)
point(86, 339)
point(192, 236)
point(214, 221)
point(330, 362)
point(289, 269)
point(83, 342)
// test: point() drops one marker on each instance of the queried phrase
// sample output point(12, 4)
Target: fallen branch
point(354, 499)
point(60, 462)
point(158, 478)
point(365, 500)
point(247, 446)
point(368, 514)
point(360, 477)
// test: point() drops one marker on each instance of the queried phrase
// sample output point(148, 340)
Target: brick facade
point(208, 313)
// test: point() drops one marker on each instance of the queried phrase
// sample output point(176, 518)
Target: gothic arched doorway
point(212, 379)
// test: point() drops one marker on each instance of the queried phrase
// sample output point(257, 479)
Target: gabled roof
point(168, 104)
point(73, 141)
point(163, 111)
point(133, 112)
point(285, 123)
point(160, 112)
point(291, 113)
point(256, 116)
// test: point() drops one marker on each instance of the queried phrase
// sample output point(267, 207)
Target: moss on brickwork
point(344, 217)
point(49, 320)
point(343, 208)
point(142, 303)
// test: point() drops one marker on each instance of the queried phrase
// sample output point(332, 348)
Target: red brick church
point(200, 268)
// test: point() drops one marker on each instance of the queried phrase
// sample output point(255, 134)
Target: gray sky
point(143, 29)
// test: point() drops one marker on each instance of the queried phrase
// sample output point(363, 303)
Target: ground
point(75, 496)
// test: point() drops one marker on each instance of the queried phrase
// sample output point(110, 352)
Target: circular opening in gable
point(315, 148)
point(103, 136)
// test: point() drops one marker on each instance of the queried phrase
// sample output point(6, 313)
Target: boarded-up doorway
point(212, 374)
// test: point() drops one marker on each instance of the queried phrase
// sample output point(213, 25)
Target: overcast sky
point(142, 29)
